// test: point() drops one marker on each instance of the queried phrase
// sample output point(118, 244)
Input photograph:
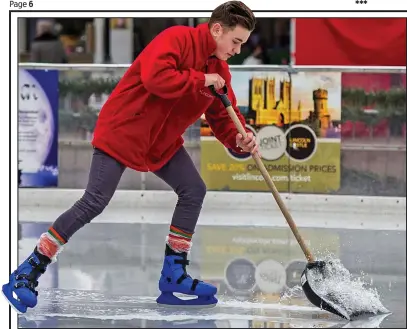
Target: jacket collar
point(209, 43)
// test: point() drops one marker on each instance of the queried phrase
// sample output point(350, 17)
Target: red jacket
point(160, 96)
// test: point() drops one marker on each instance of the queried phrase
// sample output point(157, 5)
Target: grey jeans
point(104, 176)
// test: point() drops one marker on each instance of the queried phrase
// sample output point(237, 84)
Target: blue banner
point(38, 128)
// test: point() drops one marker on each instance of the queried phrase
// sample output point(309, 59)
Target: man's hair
point(233, 13)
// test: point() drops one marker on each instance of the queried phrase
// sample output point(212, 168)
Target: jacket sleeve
point(160, 62)
point(222, 125)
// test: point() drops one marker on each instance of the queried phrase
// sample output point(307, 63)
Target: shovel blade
point(329, 303)
point(317, 300)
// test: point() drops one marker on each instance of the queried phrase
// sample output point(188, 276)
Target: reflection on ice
point(102, 273)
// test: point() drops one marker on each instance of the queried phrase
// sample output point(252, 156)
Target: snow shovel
point(333, 305)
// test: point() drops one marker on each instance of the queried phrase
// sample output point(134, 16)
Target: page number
point(21, 4)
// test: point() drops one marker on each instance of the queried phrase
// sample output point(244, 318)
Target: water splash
point(337, 285)
point(292, 293)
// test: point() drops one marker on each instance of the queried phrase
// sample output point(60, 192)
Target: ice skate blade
point(183, 307)
point(169, 300)
point(6, 290)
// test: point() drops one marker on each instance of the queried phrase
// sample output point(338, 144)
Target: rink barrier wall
point(224, 201)
point(226, 209)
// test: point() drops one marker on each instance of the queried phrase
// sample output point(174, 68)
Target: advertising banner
point(296, 120)
point(38, 128)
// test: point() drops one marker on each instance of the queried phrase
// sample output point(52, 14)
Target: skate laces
point(31, 279)
point(185, 275)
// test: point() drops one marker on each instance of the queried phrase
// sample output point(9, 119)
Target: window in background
point(76, 35)
point(145, 29)
point(269, 43)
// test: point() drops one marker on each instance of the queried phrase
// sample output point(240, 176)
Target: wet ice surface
point(70, 308)
point(107, 276)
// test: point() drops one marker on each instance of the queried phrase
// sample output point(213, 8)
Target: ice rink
point(107, 275)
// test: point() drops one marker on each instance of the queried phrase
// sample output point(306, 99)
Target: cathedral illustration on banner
point(268, 108)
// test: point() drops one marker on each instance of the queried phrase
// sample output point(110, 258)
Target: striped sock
point(50, 244)
point(178, 240)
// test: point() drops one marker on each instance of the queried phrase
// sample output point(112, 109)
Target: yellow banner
point(297, 126)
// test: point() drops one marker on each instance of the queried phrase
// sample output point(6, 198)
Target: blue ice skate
point(174, 279)
point(20, 291)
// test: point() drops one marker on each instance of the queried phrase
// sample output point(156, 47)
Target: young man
point(140, 127)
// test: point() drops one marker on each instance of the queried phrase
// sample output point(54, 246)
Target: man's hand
point(214, 79)
point(247, 144)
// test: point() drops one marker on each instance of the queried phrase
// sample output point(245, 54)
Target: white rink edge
point(223, 200)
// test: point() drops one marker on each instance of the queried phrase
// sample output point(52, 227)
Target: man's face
point(229, 41)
